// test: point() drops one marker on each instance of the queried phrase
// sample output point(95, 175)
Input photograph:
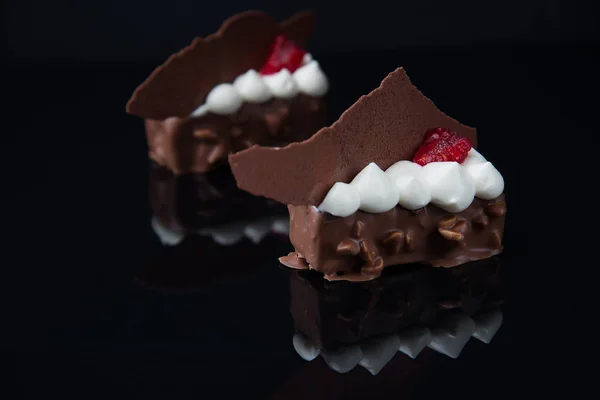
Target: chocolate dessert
point(439, 201)
point(406, 310)
point(249, 83)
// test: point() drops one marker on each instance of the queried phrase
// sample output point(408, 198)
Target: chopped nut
point(481, 221)
point(205, 134)
point(394, 241)
point(460, 227)
point(348, 247)
point(496, 209)
point(236, 131)
point(448, 222)
point(367, 253)
point(451, 235)
point(450, 304)
point(375, 266)
point(409, 240)
point(216, 153)
point(357, 229)
point(495, 239)
point(275, 119)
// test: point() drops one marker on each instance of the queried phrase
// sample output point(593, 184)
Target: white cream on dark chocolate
point(449, 185)
point(252, 87)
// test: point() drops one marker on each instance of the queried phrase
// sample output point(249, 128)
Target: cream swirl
point(252, 87)
point(448, 185)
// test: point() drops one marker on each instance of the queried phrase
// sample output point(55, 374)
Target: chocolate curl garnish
point(181, 84)
point(385, 126)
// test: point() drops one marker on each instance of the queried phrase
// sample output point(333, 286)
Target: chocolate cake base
point(332, 314)
point(197, 144)
point(359, 246)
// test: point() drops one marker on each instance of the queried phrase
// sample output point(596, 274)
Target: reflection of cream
point(252, 87)
point(413, 341)
point(452, 336)
point(378, 353)
point(448, 185)
point(487, 325)
point(166, 235)
point(343, 359)
point(304, 348)
point(228, 234)
point(449, 339)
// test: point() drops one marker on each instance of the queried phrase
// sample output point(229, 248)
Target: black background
point(76, 220)
point(138, 29)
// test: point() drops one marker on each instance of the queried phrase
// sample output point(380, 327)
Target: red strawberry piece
point(441, 144)
point(284, 54)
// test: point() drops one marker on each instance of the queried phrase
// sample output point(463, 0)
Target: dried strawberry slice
point(284, 54)
point(441, 144)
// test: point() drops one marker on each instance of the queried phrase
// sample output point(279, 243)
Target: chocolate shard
point(383, 127)
point(180, 85)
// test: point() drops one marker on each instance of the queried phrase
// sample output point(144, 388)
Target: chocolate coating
point(198, 144)
point(181, 84)
point(428, 235)
point(383, 127)
point(345, 313)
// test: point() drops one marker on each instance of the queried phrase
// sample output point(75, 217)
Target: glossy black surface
point(95, 306)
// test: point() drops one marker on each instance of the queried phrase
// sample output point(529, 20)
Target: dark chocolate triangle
point(181, 84)
point(384, 127)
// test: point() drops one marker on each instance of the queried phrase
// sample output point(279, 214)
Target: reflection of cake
point(438, 202)
point(190, 260)
point(250, 82)
point(367, 323)
point(194, 202)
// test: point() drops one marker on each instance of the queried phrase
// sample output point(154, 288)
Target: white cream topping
point(448, 185)
point(252, 87)
point(489, 184)
point(341, 200)
point(282, 84)
point(311, 80)
point(376, 191)
point(452, 188)
point(408, 177)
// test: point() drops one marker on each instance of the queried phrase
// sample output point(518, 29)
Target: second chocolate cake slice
point(393, 181)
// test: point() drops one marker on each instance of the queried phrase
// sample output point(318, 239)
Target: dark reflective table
point(119, 279)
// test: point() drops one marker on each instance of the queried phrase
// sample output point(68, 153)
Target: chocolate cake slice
point(250, 82)
point(393, 181)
